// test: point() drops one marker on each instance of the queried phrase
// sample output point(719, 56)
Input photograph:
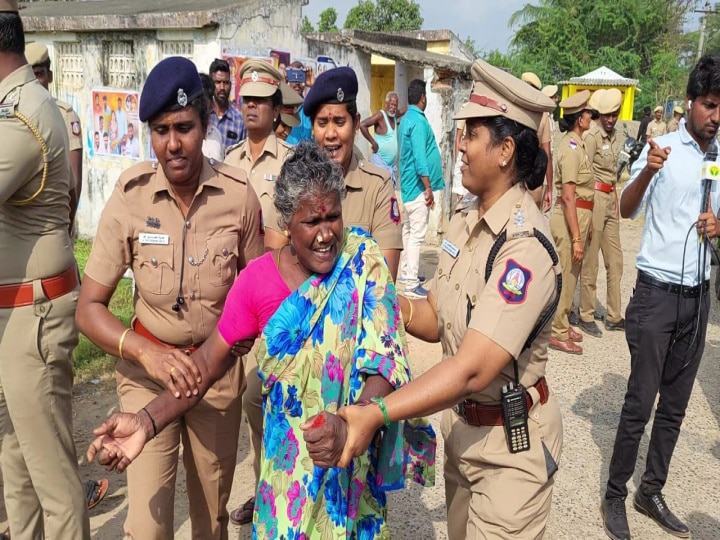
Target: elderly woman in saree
point(331, 335)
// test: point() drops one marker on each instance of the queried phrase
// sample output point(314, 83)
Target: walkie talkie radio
point(515, 417)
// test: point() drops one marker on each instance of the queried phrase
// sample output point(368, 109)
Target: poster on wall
point(116, 127)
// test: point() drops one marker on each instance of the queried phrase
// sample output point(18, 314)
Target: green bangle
point(381, 403)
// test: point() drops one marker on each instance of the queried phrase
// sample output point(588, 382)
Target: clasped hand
point(172, 368)
point(120, 439)
point(324, 436)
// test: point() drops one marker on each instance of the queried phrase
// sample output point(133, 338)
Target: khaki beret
point(532, 79)
point(8, 5)
point(550, 90)
point(258, 78)
point(290, 97)
point(678, 110)
point(575, 103)
point(594, 101)
point(610, 102)
point(498, 93)
point(658, 108)
point(36, 53)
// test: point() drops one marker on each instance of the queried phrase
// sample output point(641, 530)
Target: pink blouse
point(254, 297)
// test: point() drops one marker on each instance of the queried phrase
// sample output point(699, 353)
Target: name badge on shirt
point(606, 147)
point(450, 249)
point(157, 239)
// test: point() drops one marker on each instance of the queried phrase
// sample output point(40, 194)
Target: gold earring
point(287, 233)
point(504, 163)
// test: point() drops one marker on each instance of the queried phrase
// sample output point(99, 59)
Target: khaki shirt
point(573, 166)
point(655, 129)
point(543, 132)
point(34, 237)
point(370, 202)
point(262, 173)
point(72, 122)
point(143, 228)
point(522, 265)
point(603, 149)
point(673, 125)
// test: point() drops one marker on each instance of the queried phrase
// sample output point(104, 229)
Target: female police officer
point(185, 226)
point(491, 325)
point(572, 216)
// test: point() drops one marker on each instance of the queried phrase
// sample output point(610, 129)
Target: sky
point(485, 21)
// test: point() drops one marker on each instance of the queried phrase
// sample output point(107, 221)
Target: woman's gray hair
point(307, 171)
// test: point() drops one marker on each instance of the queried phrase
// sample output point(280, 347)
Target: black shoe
point(656, 509)
point(614, 517)
point(590, 328)
point(573, 318)
point(620, 325)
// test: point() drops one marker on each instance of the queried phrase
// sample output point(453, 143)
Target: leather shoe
point(614, 518)
point(590, 328)
point(577, 337)
point(566, 346)
point(655, 508)
point(573, 318)
point(620, 325)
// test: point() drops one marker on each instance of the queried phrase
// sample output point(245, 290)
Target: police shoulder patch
point(394, 210)
point(75, 127)
point(514, 282)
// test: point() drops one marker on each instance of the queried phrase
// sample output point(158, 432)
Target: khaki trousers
point(252, 405)
point(491, 493)
point(209, 434)
point(44, 495)
point(605, 237)
point(570, 270)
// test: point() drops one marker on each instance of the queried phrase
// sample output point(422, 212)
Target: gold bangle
point(410, 318)
point(578, 239)
point(122, 342)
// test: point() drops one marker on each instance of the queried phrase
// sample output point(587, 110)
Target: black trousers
point(666, 336)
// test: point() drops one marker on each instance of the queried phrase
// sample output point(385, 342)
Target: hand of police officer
point(172, 368)
point(707, 223)
point(362, 425)
point(656, 156)
point(578, 251)
point(120, 439)
point(241, 348)
point(547, 200)
point(325, 435)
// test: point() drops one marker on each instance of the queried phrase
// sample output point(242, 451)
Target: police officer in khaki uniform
point(44, 497)
point(484, 324)
point(674, 123)
point(370, 202)
point(186, 226)
point(289, 116)
point(38, 57)
point(657, 127)
point(543, 195)
point(603, 148)
point(572, 215)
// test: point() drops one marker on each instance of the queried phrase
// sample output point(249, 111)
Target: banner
point(116, 127)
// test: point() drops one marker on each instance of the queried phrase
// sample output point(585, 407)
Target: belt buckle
point(459, 409)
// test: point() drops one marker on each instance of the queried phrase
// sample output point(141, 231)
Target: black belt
point(672, 288)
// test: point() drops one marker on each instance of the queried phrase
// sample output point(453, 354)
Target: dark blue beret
point(338, 85)
point(171, 85)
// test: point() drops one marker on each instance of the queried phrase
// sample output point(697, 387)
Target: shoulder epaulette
point(136, 172)
point(236, 173)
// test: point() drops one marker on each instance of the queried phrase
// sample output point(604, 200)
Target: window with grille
point(70, 67)
point(120, 69)
point(177, 48)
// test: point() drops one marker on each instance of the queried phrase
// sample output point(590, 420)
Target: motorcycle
point(628, 155)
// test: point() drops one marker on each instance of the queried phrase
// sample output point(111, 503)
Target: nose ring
point(319, 238)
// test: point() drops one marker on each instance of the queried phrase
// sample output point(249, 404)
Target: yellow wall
point(382, 81)
point(440, 47)
point(628, 92)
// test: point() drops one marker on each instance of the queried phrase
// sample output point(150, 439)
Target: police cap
point(36, 54)
point(575, 103)
point(610, 102)
point(498, 93)
point(258, 78)
point(338, 85)
point(532, 79)
point(8, 5)
point(171, 85)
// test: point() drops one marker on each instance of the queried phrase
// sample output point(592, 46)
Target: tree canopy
point(559, 39)
point(384, 15)
point(328, 18)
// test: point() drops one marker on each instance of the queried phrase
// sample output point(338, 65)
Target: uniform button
point(448, 326)
point(457, 286)
point(192, 295)
point(536, 416)
point(252, 171)
point(154, 165)
point(474, 299)
point(212, 161)
point(225, 252)
point(153, 261)
point(41, 309)
point(440, 271)
point(187, 224)
point(191, 259)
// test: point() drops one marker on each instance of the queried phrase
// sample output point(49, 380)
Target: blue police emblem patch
point(513, 284)
point(394, 210)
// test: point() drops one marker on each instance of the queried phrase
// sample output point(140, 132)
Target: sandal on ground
point(243, 515)
point(95, 491)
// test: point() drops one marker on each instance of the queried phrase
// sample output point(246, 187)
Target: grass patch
point(89, 360)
